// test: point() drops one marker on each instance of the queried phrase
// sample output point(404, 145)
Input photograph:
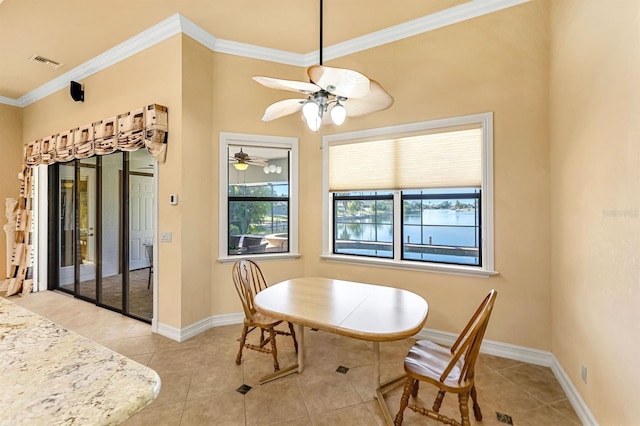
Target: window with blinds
point(417, 194)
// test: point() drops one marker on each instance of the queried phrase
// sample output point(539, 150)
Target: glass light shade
point(314, 123)
point(278, 169)
point(272, 168)
point(310, 111)
point(266, 169)
point(338, 114)
point(241, 166)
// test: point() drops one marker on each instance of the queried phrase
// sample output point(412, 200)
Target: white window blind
point(451, 158)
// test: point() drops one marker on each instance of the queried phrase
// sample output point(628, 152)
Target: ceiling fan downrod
point(341, 92)
point(321, 31)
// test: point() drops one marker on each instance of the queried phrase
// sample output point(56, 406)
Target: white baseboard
point(182, 334)
point(490, 347)
point(524, 354)
point(573, 395)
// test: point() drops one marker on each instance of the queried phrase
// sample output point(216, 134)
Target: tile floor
point(200, 378)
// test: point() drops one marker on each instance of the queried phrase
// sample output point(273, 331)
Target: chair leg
point(262, 342)
point(438, 401)
point(150, 272)
point(243, 339)
point(293, 334)
point(274, 351)
point(463, 401)
point(404, 401)
point(476, 407)
point(416, 388)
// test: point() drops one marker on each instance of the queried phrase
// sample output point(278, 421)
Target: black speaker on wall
point(77, 94)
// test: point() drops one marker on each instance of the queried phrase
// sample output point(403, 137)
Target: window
point(258, 196)
point(442, 226)
point(363, 224)
point(415, 196)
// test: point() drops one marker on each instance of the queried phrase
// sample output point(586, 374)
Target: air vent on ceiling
point(53, 64)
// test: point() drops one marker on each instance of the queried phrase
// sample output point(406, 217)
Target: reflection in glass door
point(77, 191)
point(86, 223)
point(112, 283)
point(140, 236)
point(104, 242)
point(66, 231)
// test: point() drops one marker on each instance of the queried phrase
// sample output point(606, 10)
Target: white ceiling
point(89, 35)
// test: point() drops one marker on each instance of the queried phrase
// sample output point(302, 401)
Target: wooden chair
point(249, 281)
point(451, 370)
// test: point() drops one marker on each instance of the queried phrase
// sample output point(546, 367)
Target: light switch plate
point(165, 237)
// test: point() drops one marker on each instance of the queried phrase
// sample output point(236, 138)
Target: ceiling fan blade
point(347, 83)
point(292, 86)
point(377, 100)
point(260, 163)
point(282, 108)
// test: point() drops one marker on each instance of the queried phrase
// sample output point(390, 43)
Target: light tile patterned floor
point(200, 377)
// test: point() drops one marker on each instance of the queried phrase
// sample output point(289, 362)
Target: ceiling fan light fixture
point(338, 113)
point(310, 110)
point(241, 166)
point(314, 123)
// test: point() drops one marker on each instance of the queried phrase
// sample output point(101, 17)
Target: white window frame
point(261, 141)
point(485, 120)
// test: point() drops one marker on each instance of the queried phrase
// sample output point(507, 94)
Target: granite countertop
point(52, 376)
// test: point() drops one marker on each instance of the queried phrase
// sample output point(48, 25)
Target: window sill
point(413, 266)
point(267, 257)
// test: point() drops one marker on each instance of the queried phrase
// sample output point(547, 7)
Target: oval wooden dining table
point(359, 310)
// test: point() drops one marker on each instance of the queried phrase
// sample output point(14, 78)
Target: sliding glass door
point(102, 240)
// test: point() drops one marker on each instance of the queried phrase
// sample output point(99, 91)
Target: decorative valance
point(129, 131)
point(126, 132)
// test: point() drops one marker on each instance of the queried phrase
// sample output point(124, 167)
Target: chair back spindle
point(249, 281)
point(467, 345)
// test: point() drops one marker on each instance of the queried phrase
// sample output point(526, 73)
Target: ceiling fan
point(342, 92)
point(241, 160)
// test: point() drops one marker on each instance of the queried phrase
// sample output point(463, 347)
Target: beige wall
point(495, 63)
point(239, 103)
point(198, 179)
point(152, 76)
point(11, 146)
point(595, 158)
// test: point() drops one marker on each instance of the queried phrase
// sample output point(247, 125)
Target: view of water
point(446, 228)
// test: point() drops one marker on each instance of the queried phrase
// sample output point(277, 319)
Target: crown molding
point(203, 37)
point(9, 101)
point(258, 52)
point(177, 24)
point(463, 12)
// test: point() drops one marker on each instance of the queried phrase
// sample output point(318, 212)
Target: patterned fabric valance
point(130, 131)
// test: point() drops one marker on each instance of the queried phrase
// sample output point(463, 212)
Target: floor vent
point(504, 418)
point(50, 62)
point(244, 389)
